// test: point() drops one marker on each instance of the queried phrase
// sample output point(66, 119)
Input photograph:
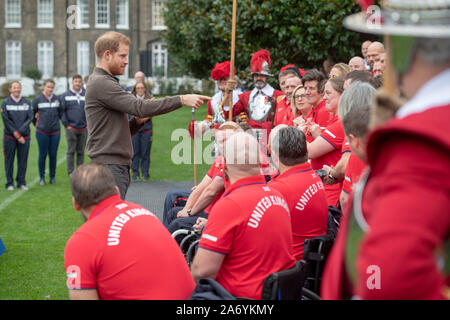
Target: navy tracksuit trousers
point(10, 146)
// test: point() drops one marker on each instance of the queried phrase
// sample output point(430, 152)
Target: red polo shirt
point(320, 116)
point(125, 253)
point(251, 226)
point(334, 135)
point(305, 195)
point(352, 173)
point(346, 146)
point(282, 114)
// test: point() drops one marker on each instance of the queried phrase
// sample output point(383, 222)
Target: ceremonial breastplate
point(358, 226)
point(259, 107)
point(218, 110)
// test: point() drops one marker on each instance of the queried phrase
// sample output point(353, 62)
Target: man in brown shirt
point(107, 106)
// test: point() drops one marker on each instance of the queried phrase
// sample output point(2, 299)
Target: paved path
point(151, 194)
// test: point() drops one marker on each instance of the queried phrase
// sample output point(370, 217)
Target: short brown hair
point(315, 75)
point(289, 144)
point(91, 183)
point(110, 41)
point(12, 82)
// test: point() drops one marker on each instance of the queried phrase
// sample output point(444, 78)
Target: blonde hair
point(343, 68)
point(110, 41)
point(293, 103)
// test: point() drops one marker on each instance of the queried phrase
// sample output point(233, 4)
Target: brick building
point(58, 37)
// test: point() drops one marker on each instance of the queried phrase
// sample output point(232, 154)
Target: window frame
point(14, 24)
point(80, 24)
point(157, 14)
point(39, 12)
point(126, 15)
point(158, 51)
point(85, 53)
point(45, 63)
point(13, 65)
point(102, 25)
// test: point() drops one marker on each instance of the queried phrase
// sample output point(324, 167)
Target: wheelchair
point(188, 241)
point(302, 282)
point(315, 254)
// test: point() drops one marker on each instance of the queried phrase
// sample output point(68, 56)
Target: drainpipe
point(67, 50)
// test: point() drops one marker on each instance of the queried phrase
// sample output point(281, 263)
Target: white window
point(45, 58)
point(83, 66)
point(13, 14)
point(159, 59)
point(83, 14)
point(13, 59)
point(122, 14)
point(45, 14)
point(157, 15)
point(102, 14)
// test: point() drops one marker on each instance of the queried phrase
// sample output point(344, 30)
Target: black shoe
point(42, 182)
point(146, 178)
point(52, 181)
point(135, 178)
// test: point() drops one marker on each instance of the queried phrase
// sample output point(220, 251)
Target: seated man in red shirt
point(299, 184)
point(356, 124)
point(112, 255)
point(206, 194)
point(248, 235)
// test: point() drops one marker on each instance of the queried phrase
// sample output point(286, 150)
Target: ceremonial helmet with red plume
point(260, 63)
point(221, 71)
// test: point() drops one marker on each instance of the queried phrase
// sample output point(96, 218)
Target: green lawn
point(36, 225)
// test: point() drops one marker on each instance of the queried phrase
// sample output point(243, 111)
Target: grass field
point(36, 224)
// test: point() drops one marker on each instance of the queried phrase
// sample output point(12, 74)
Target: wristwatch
point(330, 176)
point(189, 212)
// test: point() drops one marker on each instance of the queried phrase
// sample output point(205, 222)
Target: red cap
point(289, 66)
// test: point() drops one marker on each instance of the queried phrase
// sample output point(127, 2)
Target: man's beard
point(116, 70)
point(260, 84)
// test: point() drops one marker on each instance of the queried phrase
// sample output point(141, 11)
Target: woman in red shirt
point(327, 145)
point(300, 107)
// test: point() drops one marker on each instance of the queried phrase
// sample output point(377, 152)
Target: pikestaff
point(195, 151)
point(228, 95)
point(231, 84)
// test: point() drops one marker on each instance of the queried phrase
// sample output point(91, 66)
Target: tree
point(35, 74)
point(301, 32)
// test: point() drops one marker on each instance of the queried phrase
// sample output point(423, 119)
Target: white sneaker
point(24, 188)
point(10, 188)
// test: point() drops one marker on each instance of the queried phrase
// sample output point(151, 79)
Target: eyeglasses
point(299, 96)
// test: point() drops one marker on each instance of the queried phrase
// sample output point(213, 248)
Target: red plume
point(258, 60)
point(221, 71)
point(364, 4)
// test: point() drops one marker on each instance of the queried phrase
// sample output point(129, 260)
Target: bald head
point(225, 131)
point(365, 45)
point(242, 156)
point(375, 49)
point(356, 63)
point(139, 77)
